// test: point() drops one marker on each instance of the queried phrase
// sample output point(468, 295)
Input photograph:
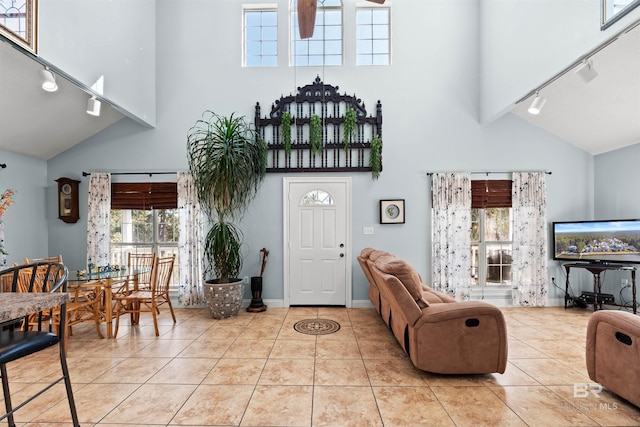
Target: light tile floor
point(256, 370)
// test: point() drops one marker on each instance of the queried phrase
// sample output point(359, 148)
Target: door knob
point(342, 245)
point(341, 255)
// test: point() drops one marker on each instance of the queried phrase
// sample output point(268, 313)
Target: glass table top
point(78, 277)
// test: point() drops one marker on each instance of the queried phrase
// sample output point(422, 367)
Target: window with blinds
point(490, 193)
point(144, 219)
point(491, 227)
point(144, 195)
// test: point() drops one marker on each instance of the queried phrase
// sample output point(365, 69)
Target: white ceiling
point(38, 123)
point(601, 115)
point(598, 116)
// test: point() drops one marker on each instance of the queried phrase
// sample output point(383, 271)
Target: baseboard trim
point(498, 301)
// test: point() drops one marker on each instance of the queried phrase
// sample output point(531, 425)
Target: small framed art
point(392, 211)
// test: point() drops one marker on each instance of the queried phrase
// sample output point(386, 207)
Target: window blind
point(144, 195)
point(490, 193)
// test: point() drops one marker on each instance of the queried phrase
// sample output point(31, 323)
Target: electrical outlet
point(245, 280)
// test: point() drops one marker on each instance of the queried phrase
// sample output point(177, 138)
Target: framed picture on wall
point(19, 22)
point(392, 211)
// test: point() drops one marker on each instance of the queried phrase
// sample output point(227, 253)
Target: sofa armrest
point(462, 337)
point(619, 333)
point(446, 311)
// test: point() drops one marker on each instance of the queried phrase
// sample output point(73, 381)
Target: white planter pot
point(223, 299)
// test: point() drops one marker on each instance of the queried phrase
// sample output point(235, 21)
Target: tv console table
point(596, 269)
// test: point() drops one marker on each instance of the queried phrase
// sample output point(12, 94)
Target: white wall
point(616, 184)
point(27, 220)
point(110, 38)
point(524, 43)
point(615, 197)
point(429, 98)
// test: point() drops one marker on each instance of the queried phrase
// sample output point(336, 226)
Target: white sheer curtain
point(99, 219)
point(529, 262)
point(190, 242)
point(452, 234)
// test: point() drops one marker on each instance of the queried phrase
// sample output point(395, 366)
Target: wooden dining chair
point(136, 301)
point(52, 258)
point(85, 299)
point(17, 340)
point(144, 261)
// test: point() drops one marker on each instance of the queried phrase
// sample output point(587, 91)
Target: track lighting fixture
point(48, 80)
point(93, 106)
point(537, 104)
point(586, 71)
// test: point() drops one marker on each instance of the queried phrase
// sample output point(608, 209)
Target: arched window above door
point(317, 197)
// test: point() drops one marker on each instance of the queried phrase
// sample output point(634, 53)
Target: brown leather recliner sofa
point(438, 334)
point(613, 352)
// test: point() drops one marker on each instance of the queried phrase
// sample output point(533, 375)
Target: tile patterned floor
point(255, 370)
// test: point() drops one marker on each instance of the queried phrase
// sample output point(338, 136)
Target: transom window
point(260, 37)
point(373, 34)
point(317, 197)
point(325, 46)
point(613, 10)
point(13, 16)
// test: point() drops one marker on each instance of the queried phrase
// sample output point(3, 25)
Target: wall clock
point(68, 205)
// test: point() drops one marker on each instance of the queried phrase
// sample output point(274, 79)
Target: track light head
point(586, 71)
point(537, 104)
point(48, 80)
point(93, 106)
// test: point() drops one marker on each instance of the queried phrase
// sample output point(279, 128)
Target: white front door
point(317, 229)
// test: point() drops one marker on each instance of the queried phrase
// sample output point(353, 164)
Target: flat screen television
point(608, 241)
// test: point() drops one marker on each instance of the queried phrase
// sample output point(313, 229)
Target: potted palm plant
point(227, 160)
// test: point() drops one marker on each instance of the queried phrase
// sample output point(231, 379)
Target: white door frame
point(286, 182)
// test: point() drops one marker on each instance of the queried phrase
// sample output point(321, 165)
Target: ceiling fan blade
point(307, 17)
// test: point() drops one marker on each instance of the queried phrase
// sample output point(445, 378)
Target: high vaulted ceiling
point(38, 123)
point(598, 116)
point(603, 114)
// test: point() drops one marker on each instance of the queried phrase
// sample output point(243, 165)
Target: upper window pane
point(325, 46)
point(167, 223)
point(260, 38)
point(613, 10)
point(317, 197)
point(373, 36)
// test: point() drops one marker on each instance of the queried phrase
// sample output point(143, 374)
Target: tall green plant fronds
point(222, 250)
point(227, 161)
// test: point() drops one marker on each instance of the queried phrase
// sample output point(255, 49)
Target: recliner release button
point(623, 338)
point(472, 323)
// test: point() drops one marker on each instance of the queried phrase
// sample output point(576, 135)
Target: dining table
point(107, 282)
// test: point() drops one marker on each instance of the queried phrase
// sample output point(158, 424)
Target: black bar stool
point(34, 332)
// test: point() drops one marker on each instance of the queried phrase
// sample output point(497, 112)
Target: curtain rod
point(489, 172)
point(135, 173)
